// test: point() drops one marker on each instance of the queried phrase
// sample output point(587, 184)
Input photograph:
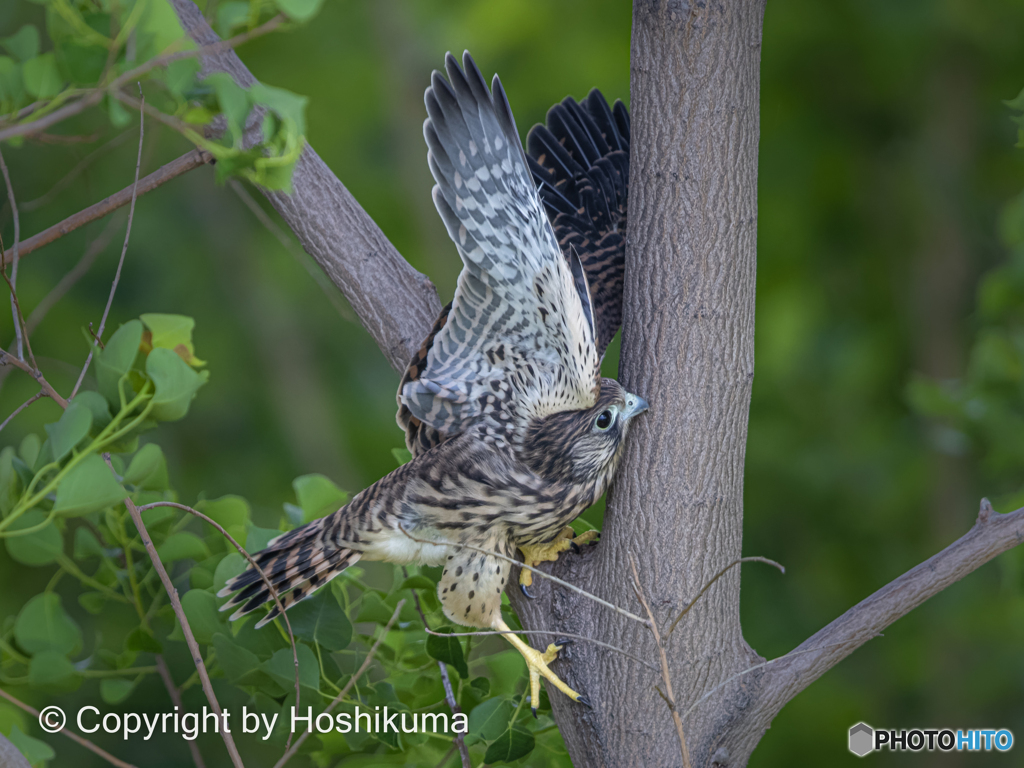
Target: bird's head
point(583, 445)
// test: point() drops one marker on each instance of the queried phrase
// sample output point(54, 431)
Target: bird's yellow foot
point(534, 554)
point(537, 665)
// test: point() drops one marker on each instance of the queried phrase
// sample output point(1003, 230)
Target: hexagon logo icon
point(862, 738)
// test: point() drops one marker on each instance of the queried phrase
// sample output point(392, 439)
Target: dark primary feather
point(580, 164)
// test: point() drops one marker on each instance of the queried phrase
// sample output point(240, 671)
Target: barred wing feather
point(519, 339)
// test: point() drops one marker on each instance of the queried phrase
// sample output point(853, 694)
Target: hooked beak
point(634, 405)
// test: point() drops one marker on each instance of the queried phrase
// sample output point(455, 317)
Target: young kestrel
point(513, 431)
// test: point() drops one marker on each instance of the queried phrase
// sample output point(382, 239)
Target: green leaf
point(93, 602)
point(281, 667)
point(229, 567)
point(116, 360)
point(203, 616)
point(321, 620)
point(180, 77)
point(88, 487)
point(29, 448)
point(372, 608)
point(70, 430)
point(97, 406)
point(402, 455)
point(86, 544)
point(172, 332)
point(299, 10)
point(318, 496)
point(34, 750)
point(481, 685)
point(144, 463)
point(447, 649)
point(511, 745)
point(232, 513)
point(257, 538)
point(490, 718)
point(418, 582)
point(40, 548)
point(10, 486)
point(233, 101)
point(114, 690)
point(23, 44)
point(176, 384)
point(1015, 103)
point(119, 116)
point(287, 105)
point(43, 625)
point(183, 546)
point(238, 663)
point(41, 77)
point(141, 640)
point(230, 16)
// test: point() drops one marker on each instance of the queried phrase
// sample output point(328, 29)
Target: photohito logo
point(865, 739)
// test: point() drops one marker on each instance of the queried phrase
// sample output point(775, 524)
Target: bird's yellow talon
point(534, 554)
point(537, 665)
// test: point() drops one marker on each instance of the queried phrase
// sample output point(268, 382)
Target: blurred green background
point(888, 381)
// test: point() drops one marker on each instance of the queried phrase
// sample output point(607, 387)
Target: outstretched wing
point(580, 161)
point(519, 339)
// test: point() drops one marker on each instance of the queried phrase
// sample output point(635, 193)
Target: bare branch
point(991, 535)
point(186, 630)
point(15, 258)
point(187, 162)
point(271, 588)
point(351, 681)
point(124, 248)
point(69, 733)
point(449, 695)
point(175, 693)
point(58, 115)
point(668, 696)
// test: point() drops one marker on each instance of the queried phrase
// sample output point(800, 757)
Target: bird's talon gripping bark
point(585, 702)
point(534, 554)
point(525, 591)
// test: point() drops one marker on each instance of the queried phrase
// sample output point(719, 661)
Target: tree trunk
point(688, 347)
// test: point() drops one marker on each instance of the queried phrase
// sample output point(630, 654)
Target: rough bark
point(688, 347)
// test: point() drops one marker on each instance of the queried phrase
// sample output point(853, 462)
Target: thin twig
point(186, 630)
point(668, 696)
point(570, 635)
point(535, 572)
point(351, 681)
point(95, 248)
point(175, 693)
point(266, 580)
point(124, 248)
point(449, 695)
point(187, 162)
point(70, 734)
point(21, 407)
point(58, 115)
point(716, 577)
point(16, 258)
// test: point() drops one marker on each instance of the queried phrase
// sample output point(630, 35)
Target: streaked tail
point(297, 563)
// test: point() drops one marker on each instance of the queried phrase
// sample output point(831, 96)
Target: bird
point(512, 430)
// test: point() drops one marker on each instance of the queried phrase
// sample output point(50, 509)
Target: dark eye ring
point(605, 420)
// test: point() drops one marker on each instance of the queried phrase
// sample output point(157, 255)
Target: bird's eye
point(605, 420)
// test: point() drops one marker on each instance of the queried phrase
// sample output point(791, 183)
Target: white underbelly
point(404, 550)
